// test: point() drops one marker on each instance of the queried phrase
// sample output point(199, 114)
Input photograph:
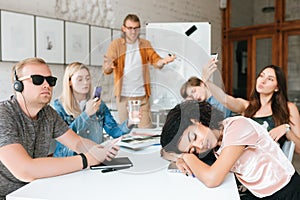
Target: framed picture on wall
point(17, 36)
point(77, 43)
point(100, 40)
point(50, 40)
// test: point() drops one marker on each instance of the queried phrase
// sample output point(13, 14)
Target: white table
point(148, 179)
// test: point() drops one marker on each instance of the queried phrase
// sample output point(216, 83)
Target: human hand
point(109, 62)
point(277, 132)
point(166, 60)
point(132, 121)
point(92, 106)
point(183, 167)
point(112, 148)
point(98, 153)
point(209, 69)
point(169, 58)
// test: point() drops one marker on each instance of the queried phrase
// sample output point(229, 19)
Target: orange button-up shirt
point(117, 52)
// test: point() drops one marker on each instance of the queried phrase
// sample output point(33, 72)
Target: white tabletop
point(147, 179)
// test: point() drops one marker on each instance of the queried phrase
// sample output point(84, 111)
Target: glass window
point(240, 57)
point(263, 53)
point(253, 12)
point(294, 69)
point(292, 8)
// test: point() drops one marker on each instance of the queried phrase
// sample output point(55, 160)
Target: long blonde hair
point(67, 99)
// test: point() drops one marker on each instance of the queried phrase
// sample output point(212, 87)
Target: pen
point(155, 144)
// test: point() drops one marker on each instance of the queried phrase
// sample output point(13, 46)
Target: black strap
point(84, 160)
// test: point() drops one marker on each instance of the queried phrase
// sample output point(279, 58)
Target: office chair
point(288, 149)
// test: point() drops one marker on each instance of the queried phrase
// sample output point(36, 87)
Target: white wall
point(110, 13)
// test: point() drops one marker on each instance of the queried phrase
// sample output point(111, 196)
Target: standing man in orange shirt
point(129, 58)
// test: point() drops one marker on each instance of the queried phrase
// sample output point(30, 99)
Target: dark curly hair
point(179, 118)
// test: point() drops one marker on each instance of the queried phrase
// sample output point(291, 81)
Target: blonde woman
point(86, 116)
point(27, 126)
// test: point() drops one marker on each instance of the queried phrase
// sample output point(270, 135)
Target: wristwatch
point(287, 128)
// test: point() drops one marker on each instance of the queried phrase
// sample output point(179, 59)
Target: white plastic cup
point(134, 111)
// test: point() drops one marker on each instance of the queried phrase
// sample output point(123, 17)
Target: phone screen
point(97, 92)
point(214, 55)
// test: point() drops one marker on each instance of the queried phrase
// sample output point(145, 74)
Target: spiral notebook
point(118, 162)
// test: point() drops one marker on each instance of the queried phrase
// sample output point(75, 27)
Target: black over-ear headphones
point(18, 85)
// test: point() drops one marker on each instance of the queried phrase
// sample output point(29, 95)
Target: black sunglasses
point(39, 79)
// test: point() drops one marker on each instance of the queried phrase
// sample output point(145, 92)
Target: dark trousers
point(290, 192)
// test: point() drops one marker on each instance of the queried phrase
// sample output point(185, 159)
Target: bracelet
point(287, 128)
point(84, 160)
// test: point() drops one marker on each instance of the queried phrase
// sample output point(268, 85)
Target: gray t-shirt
point(34, 135)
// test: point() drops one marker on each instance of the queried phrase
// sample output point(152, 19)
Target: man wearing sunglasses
point(128, 57)
point(28, 124)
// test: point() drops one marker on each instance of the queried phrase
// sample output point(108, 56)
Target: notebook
point(118, 162)
point(137, 142)
point(140, 138)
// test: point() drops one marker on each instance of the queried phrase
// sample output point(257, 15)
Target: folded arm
point(293, 134)
point(15, 155)
point(95, 153)
point(214, 175)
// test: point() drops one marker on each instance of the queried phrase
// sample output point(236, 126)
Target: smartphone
point(97, 92)
point(214, 55)
point(115, 163)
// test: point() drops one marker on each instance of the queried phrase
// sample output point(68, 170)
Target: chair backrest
point(288, 149)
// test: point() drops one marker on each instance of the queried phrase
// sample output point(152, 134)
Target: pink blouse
point(262, 168)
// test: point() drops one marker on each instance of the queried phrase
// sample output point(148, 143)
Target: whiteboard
point(191, 43)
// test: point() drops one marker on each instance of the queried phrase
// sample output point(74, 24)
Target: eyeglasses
point(39, 79)
point(132, 28)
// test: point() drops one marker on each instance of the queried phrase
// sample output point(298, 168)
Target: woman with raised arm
point(268, 103)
